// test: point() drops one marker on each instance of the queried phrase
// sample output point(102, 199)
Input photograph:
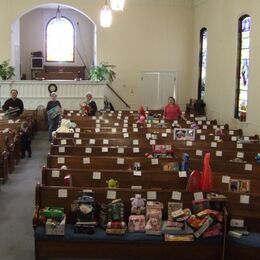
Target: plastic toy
point(112, 184)
point(138, 205)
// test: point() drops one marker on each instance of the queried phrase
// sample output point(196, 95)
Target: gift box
point(136, 223)
point(85, 227)
point(55, 227)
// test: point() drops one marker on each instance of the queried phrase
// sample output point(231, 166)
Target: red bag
point(194, 181)
point(206, 176)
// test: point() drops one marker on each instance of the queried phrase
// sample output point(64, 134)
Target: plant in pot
point(103, 71)
point(6, 71)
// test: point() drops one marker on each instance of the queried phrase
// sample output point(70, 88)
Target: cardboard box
point(55, 227)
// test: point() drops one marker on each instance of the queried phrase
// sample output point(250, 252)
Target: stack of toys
point(153, 218)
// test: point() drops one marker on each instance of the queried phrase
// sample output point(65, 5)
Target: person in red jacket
point(172, 111)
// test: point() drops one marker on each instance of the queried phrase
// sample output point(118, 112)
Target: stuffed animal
point(141, 115)
point(66, 126)
point(112, 184)
point(257, 158)
point(138, 205)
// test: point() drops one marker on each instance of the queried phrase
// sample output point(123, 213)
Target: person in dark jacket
point(53, 111)
point(25, 136)
point(13, 106)
point(89, 107)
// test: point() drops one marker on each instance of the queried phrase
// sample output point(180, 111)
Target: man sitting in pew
point(13, 106)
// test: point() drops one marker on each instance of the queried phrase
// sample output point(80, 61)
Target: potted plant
point(102, 72)
point(6, 71)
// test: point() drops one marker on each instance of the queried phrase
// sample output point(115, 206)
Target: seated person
point(13, 106)
point(89, 106)
point(172, 111)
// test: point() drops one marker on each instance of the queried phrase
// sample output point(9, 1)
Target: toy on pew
point(136, 221)
point(112, 184)
point(115, 217)
point(66, 126)
point(54, 220)
point(163, 151)
point(141, 116)
point(86, 209)
point(184, 165)
point(257, 158)
point(153, 218)
point(68, 180)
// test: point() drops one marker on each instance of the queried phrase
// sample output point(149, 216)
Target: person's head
point(53, 96)
point(171, 100)
point(14, 93)
point(89, 96)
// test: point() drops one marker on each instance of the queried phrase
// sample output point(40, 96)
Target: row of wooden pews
point(108, 146)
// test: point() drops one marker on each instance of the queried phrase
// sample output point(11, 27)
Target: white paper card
point(219, 153)
point(78, 114)
point(104, 149)
point(124, 130)
point(155, 161)
point(244, 199)
point(198, 195)
point(191, 115)
point(116, 124)
point(189, 143)
point(202, 137)
point(175, 121)
point(120, 150)
point(78, 141)
point(152, 142)
point(199, 152)
point(55, 174)
point(125, 125)
point(176, 195)
point(222, 127)
point(94, 118)
point(126, 135)
point(213, 144)
point(61, 149)
point(246, 138)
point(248, 167)
point(77, 130)
point(86, 160)
point(62, 193)
point(97, 130)
point(135, 142)
point(231, 132)
point(148, 125)
point(111, 194)
point(216, 138)
point(125, 121)
point(233, 138)
point(105, 141)
point(225, 179)
point(240, 155)
point(126, 117)
point(98, 125)
point(199, 131)
point(96, 176)
point(188, 122)
point(101, 117)
point(61, 160)
point(182, 174)
point(88, 150)
point(131, 112)
point(205, 127)
point(239, 146)
point(168, 131)
point(69, 114)
point(106, 121)
point(236, 222)
point(113, 130)
point(208, 122)
point(148, 135)
point(135, 130)
point(136, 150)
point(151, 195)
point(92, 141)
point(134, 125)
point(137, 173)
point(120, 161)
point(215, 126)
point(164, 134)
point(63, 141)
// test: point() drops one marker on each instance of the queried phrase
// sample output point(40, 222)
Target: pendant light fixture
point(106, 16)
point(117, 5)
point(58, 13)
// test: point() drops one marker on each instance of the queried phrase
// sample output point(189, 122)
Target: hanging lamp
point(106, 16)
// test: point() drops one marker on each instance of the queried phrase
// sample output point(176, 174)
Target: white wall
point(221, 19)
point(33, 27)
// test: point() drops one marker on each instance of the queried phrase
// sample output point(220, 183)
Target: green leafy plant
point(6, 71)
point(102, 72)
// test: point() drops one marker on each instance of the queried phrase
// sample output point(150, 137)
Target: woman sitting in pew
point(172, 110)
point(89, 106)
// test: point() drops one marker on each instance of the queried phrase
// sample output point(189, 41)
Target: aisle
point(17, 203)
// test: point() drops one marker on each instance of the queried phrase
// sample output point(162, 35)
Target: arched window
point(202, 63)
point(60, 40)
point(242, 66)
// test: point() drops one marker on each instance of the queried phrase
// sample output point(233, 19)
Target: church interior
point(129, 129)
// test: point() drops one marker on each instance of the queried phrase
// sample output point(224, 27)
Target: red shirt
point(172, 112)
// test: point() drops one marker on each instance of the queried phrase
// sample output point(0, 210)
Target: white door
point(156, 87)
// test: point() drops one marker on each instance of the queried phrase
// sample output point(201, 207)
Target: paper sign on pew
point(134, 125)
point(154, 161)
point(135, 130)
point(105, 141)
point(244, 199)
point(126, 135)
point(61, 149)
point(106, 121)
point(120, 161)
point(101, 117)
point(136, 187)
point(111, 194)
point(248, 167)
point(88, 150)
point(135, 142)
point(104, 150)
point(125, 125)
point(202, 137)
point(198, 131)
point(113, 130)
point(199, 152)
point(136, 150)
point(77, 130)
point(55, 174)
point(120, 150)
point(219, 153)
point(61, 160)
point(239, 146)
point(225, 179)
point(78, 141)
point(62, 193)
point(63, 141)
point(96, 176)
point(97, 130)
point(98, 125)
point(86, 160)
point(97, 121)
point(124, 130)
point(240, 155)
point(198, 195)
point(137, 173)
point(116, 124)
point(205, 127)
point(164, 134)
point(92, 141)
point(76, 135)
point(151, 195)
point(176, 195)
point(182, 174)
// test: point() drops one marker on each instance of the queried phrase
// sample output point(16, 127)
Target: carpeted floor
point(17, 202)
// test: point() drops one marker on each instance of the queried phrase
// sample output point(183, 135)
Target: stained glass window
point(60, 40)
point(202, 63)
point(243, 67)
